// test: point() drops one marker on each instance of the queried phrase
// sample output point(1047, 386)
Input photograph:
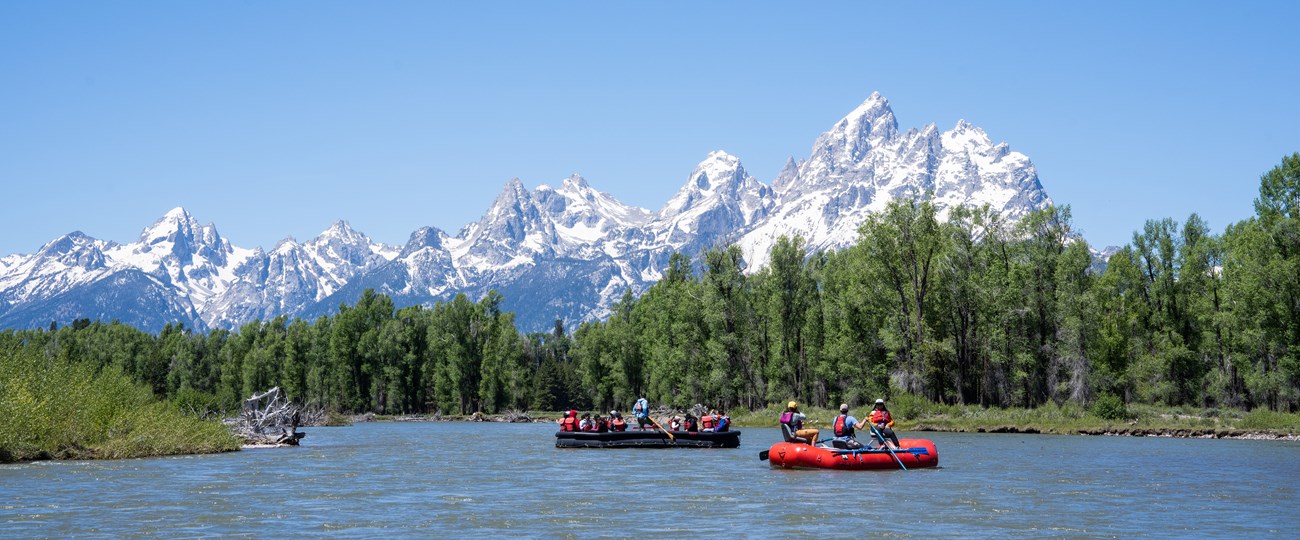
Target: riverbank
point(1136, 420)
point(1140, 421)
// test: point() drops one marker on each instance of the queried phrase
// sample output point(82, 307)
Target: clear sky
point(274, 119)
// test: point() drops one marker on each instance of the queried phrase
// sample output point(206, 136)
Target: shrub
point(1266, 419)
point(1109, 407)
point(60, 409)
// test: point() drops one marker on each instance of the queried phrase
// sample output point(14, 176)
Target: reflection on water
point(438, 479)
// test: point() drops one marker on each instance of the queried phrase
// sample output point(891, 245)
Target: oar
point(661, 428)
point(881, 436)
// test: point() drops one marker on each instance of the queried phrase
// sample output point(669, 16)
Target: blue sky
point(274, 119)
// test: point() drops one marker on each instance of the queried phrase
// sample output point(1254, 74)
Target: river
point(483, 479)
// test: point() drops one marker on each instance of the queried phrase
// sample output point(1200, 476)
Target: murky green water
point(478, 480)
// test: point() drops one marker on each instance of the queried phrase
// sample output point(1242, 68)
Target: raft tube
point(647, 439)
point(915, 454)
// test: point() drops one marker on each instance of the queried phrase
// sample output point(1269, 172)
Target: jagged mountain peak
point(66, 244)
point(176, 239)
point(843, 150)
point(177, 221)
point(583, 214)
point(342, 229)
point(423, 238)
point(576, 182)
point(788, 176)
point(718, 175)
point(285, 244)
point(872, 120)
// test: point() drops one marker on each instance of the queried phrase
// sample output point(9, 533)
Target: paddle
point(661, 428)
point(885, 444)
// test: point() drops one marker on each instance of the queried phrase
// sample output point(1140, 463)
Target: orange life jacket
point(708, 421)
point(569, 424)
point(881, 417)
point(617, 424)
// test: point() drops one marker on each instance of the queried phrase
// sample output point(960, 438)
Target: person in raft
point(569, 422)
point(691, 424)
point(641, 410)
point(793, 418)
point(616, 422)
point(883, 421)
point(709, 422)
point(845, 426)
point(675, 423)
point(724, 422)
point(586, 424)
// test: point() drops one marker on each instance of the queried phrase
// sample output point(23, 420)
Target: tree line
point(967, 308)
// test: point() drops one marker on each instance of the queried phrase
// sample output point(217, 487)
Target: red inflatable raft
point(914, 454)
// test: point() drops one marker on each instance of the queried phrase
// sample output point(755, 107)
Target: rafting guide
point(793, 419)
point(641, 410)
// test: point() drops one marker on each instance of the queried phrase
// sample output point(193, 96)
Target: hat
point(880, 402)
point(844, 407)
point(614, 413)
point(792, 405)
point(566, 414)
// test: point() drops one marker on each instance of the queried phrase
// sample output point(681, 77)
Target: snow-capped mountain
point(566, 252)
point(863, 162)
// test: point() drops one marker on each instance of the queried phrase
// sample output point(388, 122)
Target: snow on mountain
point(566, 252)
point(718, 199)
point(59, 265)
point(863, 162)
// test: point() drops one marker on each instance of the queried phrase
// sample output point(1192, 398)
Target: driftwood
point(270, 419)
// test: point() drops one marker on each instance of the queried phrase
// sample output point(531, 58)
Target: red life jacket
point(617, 424)
point(881, 417)
point(708, 421)
point(569, 424)
point(842, 427)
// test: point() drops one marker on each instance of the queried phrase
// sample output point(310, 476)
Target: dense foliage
point(58, 409)
point(967, 309)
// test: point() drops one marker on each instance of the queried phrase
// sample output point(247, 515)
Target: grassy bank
point(917, 414)
point(60, 410)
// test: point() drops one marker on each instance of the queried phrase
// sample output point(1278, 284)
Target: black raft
point(647, 439)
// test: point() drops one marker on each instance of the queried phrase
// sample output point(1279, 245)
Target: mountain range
point(566, 252)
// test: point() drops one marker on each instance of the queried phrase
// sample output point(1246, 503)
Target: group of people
point(714, 421)
point(845, 426)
